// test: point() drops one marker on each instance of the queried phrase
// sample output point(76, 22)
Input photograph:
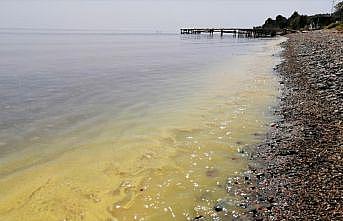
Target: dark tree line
point(297, 21)
point(338, 15)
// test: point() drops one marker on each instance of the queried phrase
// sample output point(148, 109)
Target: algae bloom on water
point(121, 127)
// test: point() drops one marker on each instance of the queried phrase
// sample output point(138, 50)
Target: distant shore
point(296, 173)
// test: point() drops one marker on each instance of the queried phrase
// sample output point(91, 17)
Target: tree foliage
point(281, 21)
point(339, 7)
point(338, 15)
point(297, 21)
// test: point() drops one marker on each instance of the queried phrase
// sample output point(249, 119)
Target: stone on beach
point(302, 157)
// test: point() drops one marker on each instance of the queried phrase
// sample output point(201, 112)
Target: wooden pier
point(236, 32)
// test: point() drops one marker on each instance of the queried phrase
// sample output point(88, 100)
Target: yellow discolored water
point(169, 164)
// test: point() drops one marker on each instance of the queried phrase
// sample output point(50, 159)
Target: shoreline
point(296, 172)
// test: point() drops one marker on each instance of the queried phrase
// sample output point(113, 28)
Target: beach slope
point(299, 167)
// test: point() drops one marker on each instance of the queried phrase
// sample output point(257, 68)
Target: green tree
point(297, 21)
point(281, 22)
point(294, 15)
point(293, 21)
point(339, 6)
point(269, 24)
point(338, 11)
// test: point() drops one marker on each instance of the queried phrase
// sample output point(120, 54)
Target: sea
point(129, 126)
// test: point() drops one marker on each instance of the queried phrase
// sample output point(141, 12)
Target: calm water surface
point(101, 126)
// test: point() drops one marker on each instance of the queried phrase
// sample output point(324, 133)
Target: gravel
point(297, 172)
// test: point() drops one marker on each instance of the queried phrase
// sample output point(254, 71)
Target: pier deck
point(238, 32)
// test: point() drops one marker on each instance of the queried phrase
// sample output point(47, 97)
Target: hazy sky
point(148, 15)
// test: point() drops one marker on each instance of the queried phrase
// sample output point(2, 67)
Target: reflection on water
point(127, 127)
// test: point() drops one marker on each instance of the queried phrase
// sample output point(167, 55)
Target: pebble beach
point(296, 173)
